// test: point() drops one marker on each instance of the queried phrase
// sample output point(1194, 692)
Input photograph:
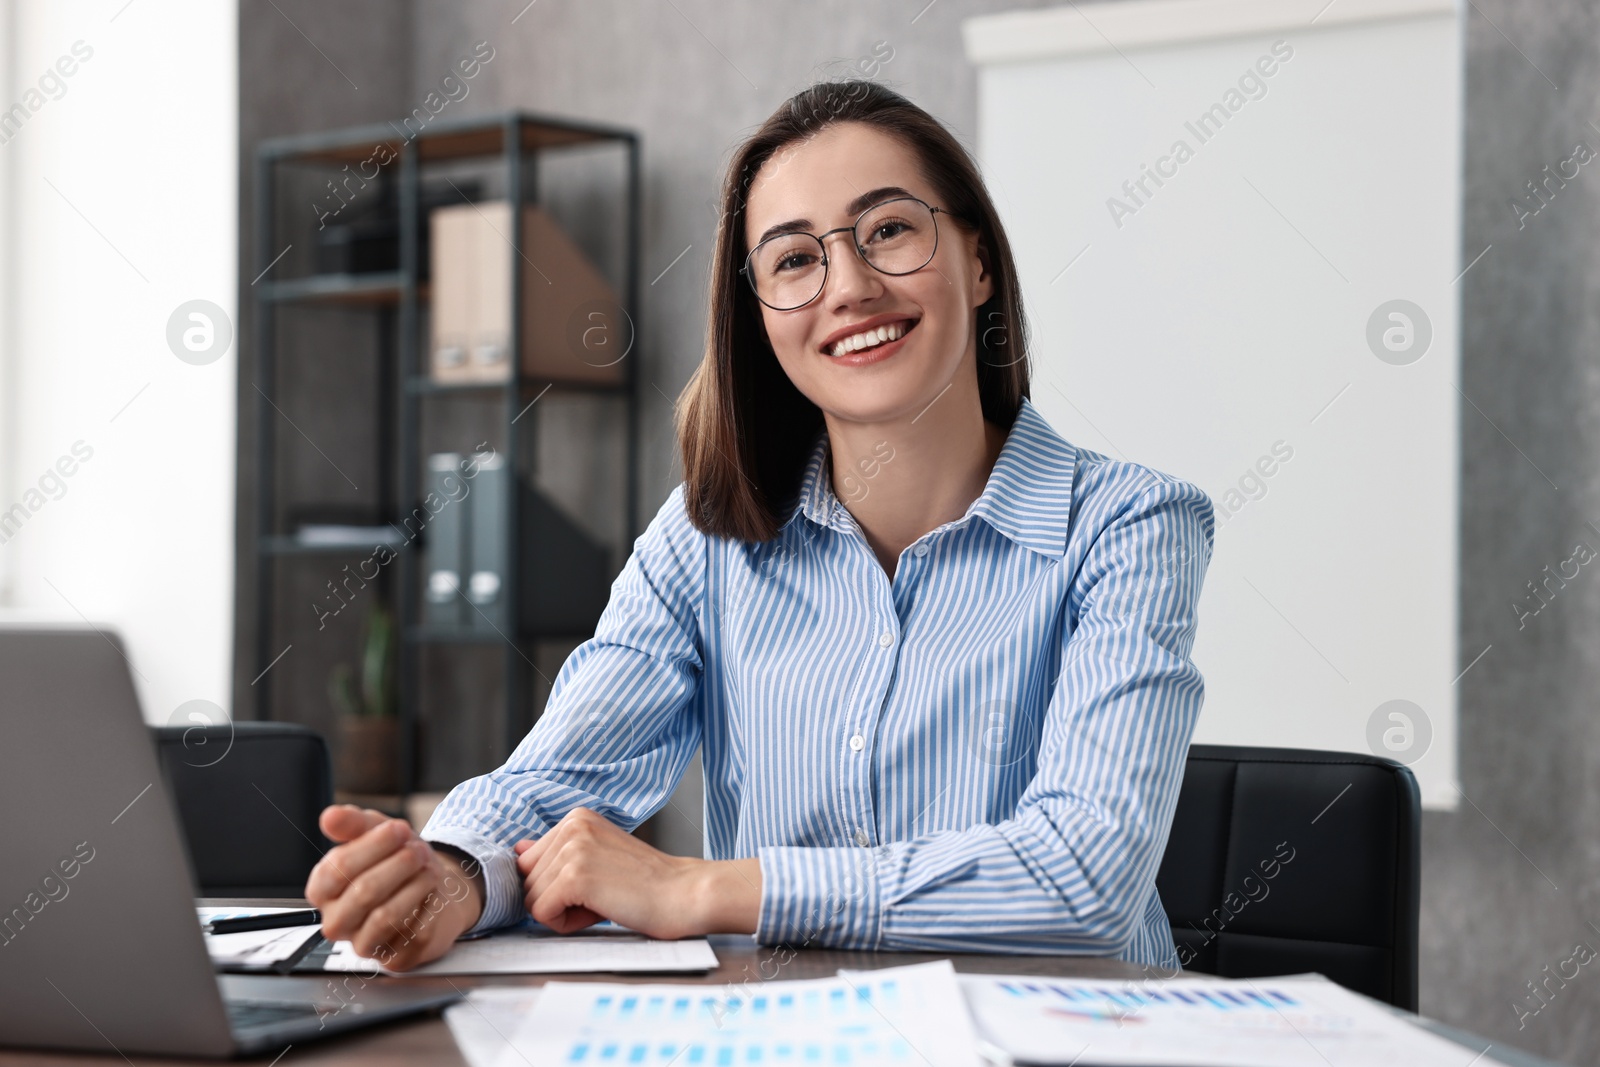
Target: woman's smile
point(871, 345)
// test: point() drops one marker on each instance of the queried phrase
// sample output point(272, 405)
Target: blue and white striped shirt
point(981, 754)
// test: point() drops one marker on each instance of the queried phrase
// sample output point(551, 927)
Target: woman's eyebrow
point(854, 207)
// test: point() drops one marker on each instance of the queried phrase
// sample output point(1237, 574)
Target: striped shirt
point(981, 754)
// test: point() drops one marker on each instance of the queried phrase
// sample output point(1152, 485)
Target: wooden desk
point(425, 1039)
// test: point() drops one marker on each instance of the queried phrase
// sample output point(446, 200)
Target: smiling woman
point(950, 713)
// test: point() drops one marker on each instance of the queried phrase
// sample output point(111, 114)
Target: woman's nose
point(848, 272)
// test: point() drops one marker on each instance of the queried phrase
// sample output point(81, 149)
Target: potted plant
point(368, 753)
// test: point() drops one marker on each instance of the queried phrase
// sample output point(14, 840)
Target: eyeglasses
point(898, 236)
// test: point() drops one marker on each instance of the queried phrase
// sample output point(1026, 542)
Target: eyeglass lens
point(898, 236)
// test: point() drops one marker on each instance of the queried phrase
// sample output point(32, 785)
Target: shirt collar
point(1028, 497)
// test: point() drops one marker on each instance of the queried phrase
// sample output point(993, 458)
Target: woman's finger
point(343, 864)
point(401, 923)
point(373, 887)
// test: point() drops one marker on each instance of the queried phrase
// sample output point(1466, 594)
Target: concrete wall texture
point(1511, 881)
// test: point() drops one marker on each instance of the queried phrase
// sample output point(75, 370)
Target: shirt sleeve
point(1073, 869)
point(616, 733)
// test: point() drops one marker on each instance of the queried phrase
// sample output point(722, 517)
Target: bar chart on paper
point(898, 1016)
point(1196, 1022)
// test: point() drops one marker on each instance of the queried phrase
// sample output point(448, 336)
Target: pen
point(243, 923)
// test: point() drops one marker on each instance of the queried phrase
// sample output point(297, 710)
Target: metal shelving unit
point(396, 298)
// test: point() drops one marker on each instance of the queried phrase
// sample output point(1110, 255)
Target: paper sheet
point(1196, 1022)
point(255, 949)
point(484, 1023)
point(899, 1016)
point(527, 950)
point(259, 948)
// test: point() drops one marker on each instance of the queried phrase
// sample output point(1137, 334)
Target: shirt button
point(920, 550)
point(857, 743)
point(861, 838)
point(885, 639)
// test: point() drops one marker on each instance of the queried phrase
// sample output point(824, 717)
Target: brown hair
point(744, 430)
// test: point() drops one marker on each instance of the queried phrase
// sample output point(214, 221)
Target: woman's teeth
point(871, 338)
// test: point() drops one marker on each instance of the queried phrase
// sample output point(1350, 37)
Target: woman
point(936, 657)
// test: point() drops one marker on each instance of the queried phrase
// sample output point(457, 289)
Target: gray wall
point(1512, 880)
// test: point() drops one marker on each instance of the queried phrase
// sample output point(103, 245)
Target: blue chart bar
point(724, 1056)
point(1212, 999)
point(578, 1052)
point(697, 1053)
point(637, 1054)
point(627, 1006)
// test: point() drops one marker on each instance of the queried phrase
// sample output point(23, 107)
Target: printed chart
point(901, 1016)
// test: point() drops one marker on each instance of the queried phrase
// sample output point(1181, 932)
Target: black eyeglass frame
point(821, 240)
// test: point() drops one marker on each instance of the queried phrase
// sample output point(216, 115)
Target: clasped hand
point(586, 868)
point(404, 903)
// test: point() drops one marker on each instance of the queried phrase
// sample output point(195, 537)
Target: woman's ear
point(984, 283)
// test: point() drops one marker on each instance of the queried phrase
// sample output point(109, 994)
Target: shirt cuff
point(502, 882)
point(821, 896)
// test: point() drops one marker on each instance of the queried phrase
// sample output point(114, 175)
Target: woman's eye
point(793, 261)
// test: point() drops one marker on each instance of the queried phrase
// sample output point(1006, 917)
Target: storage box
point(574, 329)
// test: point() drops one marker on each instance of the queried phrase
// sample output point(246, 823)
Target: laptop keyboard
point(249, 1014)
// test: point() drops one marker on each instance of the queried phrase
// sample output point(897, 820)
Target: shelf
point(425, 386)
point(376, 287)
point(290, 545)
point(425, 635)
point(439, 140)
point(391, 804)
point(393, 306)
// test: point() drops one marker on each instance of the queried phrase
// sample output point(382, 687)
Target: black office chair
point(248, 794)
point(1338, 833)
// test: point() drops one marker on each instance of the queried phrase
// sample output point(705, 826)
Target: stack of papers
point(926, 1014)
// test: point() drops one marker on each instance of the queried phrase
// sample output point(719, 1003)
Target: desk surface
point(425, 1039)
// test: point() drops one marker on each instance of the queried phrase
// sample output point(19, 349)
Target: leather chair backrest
point(1283, 861)
point(248, 795)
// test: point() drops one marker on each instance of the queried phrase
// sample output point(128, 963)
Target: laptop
point(100, 945)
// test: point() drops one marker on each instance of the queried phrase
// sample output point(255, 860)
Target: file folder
point(444, 540)
point(488, 515)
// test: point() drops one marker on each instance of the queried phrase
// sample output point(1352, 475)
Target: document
point(902, 1016)
point(485, 1021)
point(255, 950)
point(534, 949)
point(1303, 1021)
